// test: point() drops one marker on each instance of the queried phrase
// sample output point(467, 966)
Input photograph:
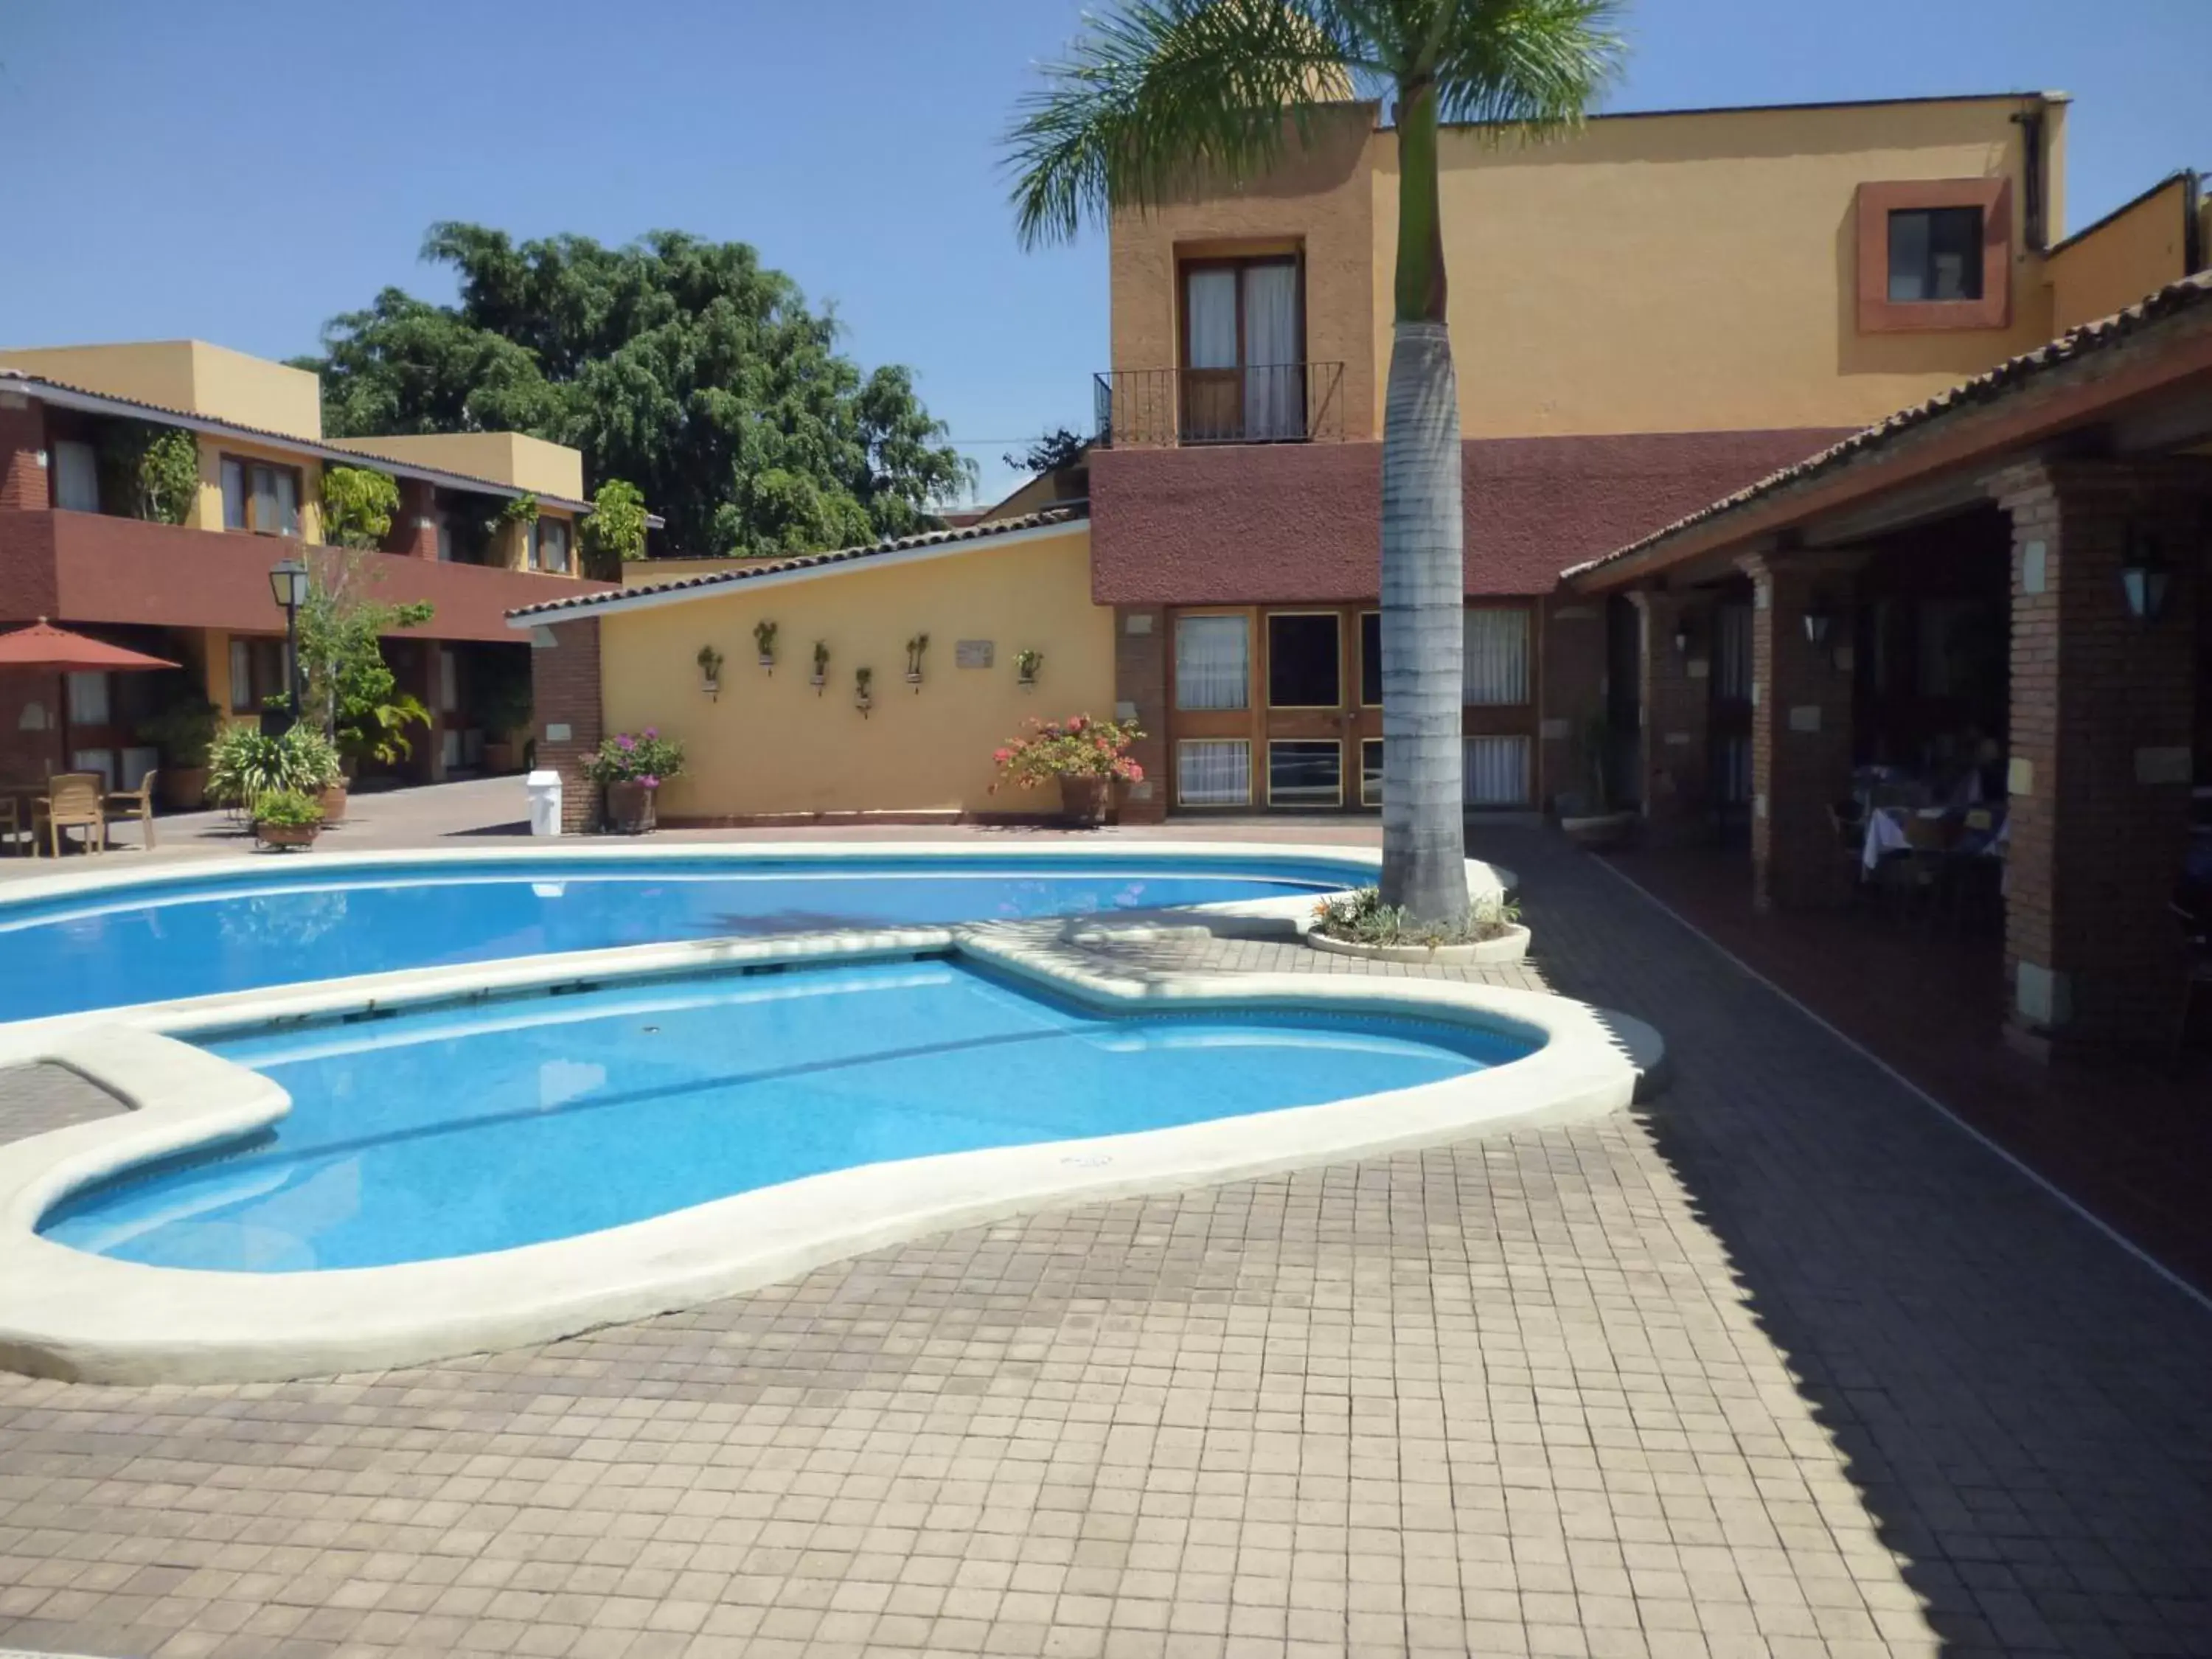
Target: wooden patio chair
point(137, 803)
point(13, 821)
point(73, 802)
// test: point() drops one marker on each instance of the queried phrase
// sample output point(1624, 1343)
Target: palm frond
point(1160, 92)
point(1518, 65)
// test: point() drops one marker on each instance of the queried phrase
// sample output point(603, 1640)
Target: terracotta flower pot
point(333, 800)
point(287, 835)
point(629, 809)
point(184, 787)
point(1083, 801)
point(499, 758)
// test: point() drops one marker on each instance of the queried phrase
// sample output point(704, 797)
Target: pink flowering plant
point(645, 757)
point(1077, 747)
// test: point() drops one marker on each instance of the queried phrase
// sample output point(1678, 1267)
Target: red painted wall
point(1286, 523)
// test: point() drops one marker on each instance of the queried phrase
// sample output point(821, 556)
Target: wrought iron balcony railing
point(1260, 403)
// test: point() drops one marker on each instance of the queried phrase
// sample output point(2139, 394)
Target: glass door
point(1311, 763)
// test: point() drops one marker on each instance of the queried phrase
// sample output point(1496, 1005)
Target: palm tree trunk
point(1424, 566)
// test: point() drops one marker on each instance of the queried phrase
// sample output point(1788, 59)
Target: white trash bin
point(544, 789)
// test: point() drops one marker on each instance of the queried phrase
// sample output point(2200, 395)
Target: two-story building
point(1646, 315)
point(188, 580)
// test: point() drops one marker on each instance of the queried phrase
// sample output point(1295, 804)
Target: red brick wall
point(1675, 695)
point(565, 684)
point(1800, 737)
point(2104, 723)
point(23, 483)
point(414, 533)
point(1141, 677)
point(1571, 689)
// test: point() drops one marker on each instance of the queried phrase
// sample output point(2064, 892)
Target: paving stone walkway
point(1782, 1364)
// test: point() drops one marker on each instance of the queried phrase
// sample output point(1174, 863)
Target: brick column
point(414, 533)
point(1801, 733)
point(1140, 691)
point(564, 676)
point(23, 486)
point(1571, 685)
point(2103, 726)
point(1676, 695)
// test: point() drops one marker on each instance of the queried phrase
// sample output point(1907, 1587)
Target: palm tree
point(1162, 96)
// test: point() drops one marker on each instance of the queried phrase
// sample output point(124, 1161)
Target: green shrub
point(287, 809)
point(1362, 917)
point(358, 504)
point(244, 766)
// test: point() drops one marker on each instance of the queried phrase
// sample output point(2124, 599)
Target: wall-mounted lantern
point(1818, 621)
point(2145, 576)
point(1681, 637)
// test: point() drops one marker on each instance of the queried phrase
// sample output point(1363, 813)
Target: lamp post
point(288, 582)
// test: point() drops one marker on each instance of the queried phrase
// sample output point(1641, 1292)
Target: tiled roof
point(17, 378)
point(2004, 380)
point(1065, 513)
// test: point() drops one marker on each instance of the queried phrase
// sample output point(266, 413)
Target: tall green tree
point(686, 366)
point(1162, 96)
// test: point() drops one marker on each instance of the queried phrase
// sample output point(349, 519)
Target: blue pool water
point(450, 1131)
point(177, 938)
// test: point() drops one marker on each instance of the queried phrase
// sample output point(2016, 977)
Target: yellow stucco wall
point(770, 745)
point(191, 375)
point(507, 458)
point(1697, 272)
point(2114, 264)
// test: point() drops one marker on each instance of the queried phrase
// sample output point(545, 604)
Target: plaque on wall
point(971, 653)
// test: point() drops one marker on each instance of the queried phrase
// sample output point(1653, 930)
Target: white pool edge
point(64, 1313)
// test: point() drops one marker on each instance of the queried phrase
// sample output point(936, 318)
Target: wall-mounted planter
point(863, 698)
point(1026, 664)
point(712, 687)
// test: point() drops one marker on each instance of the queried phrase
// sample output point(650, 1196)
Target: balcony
point(1262, 403)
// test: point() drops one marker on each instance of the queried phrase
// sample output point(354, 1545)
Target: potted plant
point(915, 647)
point(1358, 924)
point(764, 642)
point(287, 817)
point(184, 731)
point(244, 765)
point(710, 671)
point(507, 709)
point(1026, 664)
point(632, 767)
point(863, 699)
point(820, 677)
point(1083, 756)
point(1599, 825)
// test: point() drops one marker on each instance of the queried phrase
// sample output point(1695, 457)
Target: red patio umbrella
point(52, 650)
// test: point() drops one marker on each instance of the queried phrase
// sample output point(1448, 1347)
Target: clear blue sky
point(239, 172)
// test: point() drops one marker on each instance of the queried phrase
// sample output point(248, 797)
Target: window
point(257, 671)
point(1243, 351)
point(1370, 772)
point(260, 497)
point(87, 699)
point(1213, 662)
point(449, 681)
point(1935, 253)
point(1213, 772)
point(1496, 665)
point(1370, 658)
point(550, 540)
point(1303, 670)
point(76, 477)
point(1305, 771)
point(1497, 771)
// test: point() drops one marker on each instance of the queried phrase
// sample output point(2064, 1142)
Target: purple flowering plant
point(645, 757)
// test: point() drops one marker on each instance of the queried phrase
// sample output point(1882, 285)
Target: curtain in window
point(287, 500)
point(87, 699)
point(1214, 773)
point(1497, 667)
point(77, 477)
point(1213, 662)
point(449, 682)
point(552, 544)
point(233, 496)
point(1497, 771)
point(1273, 377)
point(102, 761)
point(1732, 769)
point(1211, 293)
point(241, 676)
point(1732, 652)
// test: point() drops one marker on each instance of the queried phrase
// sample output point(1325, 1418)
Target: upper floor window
point(1243, 350)
point(1935, 253)
point(76, 477)
point(260, 497)
point(550, 545)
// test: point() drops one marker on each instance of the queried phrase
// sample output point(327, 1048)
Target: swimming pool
point(108, 944)
point(455, 1130)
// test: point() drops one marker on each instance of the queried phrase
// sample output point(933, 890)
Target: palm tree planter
point(1162, 94)
point(1360, 924)
point(1512, 945)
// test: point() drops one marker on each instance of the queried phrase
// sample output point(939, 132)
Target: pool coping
point(64, 1313)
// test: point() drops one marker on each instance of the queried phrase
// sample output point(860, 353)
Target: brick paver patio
point(1782, 1364)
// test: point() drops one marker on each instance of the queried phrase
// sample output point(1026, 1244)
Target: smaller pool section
point(166, 939)
point(456, 1130)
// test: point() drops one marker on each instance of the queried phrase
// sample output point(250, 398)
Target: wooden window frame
point(1359, 639)
point(1239, 262)
point(245, 464)
point(1377, 798)
point(1253, 687)
point(1880, 314)
point(1336, 804)
point(536, 562)
point(1244, 805)
point(1268, 668)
